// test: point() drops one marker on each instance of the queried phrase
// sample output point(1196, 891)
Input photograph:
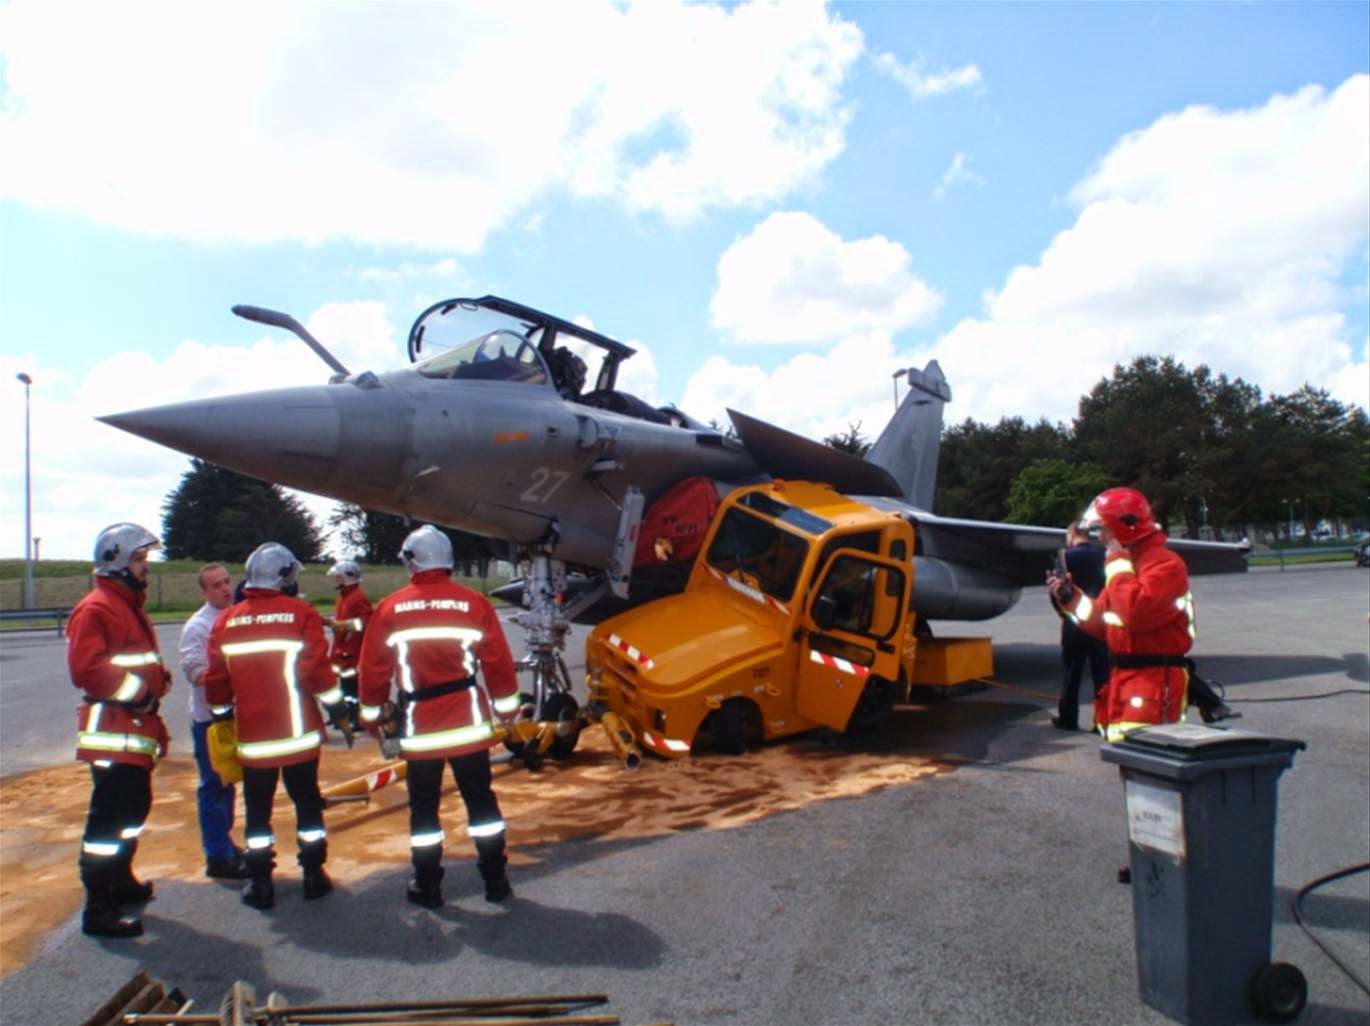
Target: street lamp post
point(1289, 506)
point(28, 500)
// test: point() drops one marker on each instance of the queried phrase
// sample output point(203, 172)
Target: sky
point(779, 205)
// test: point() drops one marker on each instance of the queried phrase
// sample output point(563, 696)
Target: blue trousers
point(215, 802)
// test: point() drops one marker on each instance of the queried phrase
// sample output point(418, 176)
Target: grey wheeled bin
point(1201, 836)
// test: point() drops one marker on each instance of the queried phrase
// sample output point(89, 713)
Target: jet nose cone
point(298, 437)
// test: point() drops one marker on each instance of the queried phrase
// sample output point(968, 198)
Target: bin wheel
point(562, 709)
point(1279, 992)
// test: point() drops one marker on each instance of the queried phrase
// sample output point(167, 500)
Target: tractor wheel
point(728, 725)
point(874, 706)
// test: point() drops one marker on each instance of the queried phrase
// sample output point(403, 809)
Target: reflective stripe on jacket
point(268, 661)
point(431, 632)
point(1146, 608)
point(114, 659)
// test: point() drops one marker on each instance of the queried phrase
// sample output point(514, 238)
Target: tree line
point(1208, 450)
point(215, 514)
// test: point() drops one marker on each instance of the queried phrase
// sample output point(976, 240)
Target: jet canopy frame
point(456, 322)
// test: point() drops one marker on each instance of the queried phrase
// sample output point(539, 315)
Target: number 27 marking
point(545, 484)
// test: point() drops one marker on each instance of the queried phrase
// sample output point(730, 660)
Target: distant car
point(1363, 554)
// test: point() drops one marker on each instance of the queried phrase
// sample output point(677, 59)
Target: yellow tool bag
point(222, 739)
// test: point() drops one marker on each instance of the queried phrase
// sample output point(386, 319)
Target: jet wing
point(1023, 553)
point(785, 455)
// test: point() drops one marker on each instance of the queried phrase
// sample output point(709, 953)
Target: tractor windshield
point(758, 553)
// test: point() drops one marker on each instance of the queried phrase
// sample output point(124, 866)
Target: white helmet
point(272, 566)
point(117, 543)
point(426, 548)
point(346, 571)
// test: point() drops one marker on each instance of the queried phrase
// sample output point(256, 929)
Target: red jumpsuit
point(1146, 615)
point(113, 657)
point(429, 637)
point(434, 631)
point(350, 616)
point(268, 659)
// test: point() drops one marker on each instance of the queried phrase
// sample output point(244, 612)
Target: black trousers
point(1077, 649)
point(120, 799)
point(472, 773)
point(259, 791)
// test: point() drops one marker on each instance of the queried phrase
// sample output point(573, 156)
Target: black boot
point(491, 862)
point(316, 880)
point(260, 892)
point(128, 889)
point(101, 917)
point(425, 886)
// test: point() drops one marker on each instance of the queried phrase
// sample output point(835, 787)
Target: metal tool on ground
point(239, 1007)
point(532, 737)
point(141, 996)
point(1201, 808)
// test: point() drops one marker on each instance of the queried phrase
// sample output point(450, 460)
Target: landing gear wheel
point(563, 710)
point(728, 724)
point(1279, 992)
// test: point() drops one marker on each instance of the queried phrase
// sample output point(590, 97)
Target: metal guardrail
point(58, 614)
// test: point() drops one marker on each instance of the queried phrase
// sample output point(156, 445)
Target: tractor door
point(852, 630)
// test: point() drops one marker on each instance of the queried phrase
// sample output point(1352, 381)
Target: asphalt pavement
point(983, 895)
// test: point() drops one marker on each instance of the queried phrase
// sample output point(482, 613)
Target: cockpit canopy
point(496, 356)
point(490, 329)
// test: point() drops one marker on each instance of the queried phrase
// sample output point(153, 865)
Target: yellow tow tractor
point(795, 616)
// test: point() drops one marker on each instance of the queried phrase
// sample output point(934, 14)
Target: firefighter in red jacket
point(350, 615)
point(269, 668)
point(428, 638)
point(1145, 614)
point(113, 657)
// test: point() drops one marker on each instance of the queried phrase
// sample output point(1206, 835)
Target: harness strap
point(437, 690)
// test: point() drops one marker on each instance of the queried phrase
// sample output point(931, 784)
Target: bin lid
point(1190, 741)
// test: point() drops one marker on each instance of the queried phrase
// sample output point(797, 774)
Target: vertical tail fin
point(908, 446)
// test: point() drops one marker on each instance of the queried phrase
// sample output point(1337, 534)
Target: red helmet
point(1125, 512)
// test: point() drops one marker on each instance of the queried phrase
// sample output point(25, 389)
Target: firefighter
point(1145, 614)
point(269, 668)
point(114, 658)
point(428, 638)
point(350, 614)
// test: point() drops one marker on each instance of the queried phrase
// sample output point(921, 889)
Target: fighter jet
point(509, 424)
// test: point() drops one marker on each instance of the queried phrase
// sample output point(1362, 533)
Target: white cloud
point(814, 394)
point(87, 475)
point(957, 172)
point(428, 124)
point(922, 84)
point(793, 280)
point(1217, 237)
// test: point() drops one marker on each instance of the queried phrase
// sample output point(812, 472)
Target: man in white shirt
point(223, 859)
